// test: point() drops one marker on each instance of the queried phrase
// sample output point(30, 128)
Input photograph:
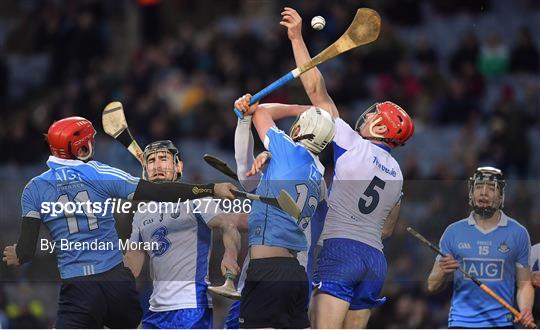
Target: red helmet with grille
point(399, 124)
point(67, 136)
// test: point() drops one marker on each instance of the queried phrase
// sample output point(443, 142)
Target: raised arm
point(265, 115)
point(243, 154)
point(312, 80)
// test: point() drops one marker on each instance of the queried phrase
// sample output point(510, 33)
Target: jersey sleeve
point(136, 229)
point(208, 209)
point(346, 137)
point(534, 261)
point(446, 242)
point(278, 143)
point(524, 249)
point(30, 204)
point(114, 181)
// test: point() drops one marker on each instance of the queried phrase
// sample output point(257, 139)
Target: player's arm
point(391, 221)
point(312, 80)
point(243, 154)
point(524, 295)
point(230, 223)
point(444, 267)
point(265, 115)
point(24, 250)
point(176, 191)
point(134, 260)
point(441, 273)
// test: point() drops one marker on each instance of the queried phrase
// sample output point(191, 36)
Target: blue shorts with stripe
point(187, 318)
point(352, 271)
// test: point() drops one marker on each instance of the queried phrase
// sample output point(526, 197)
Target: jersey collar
point(55, 162)
point(383, 147)
point(503, 222)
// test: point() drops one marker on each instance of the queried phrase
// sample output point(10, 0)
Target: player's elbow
point(387, 232)
point(433, 285)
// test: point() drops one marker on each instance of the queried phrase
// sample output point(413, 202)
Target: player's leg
point(187, 318)
point(81, 304)
point(367, 292)
point(327, 311)
point(357, 319)
point(232, 317)
point(268, 292)
point(335, 279)
point(123, 307)
point(299, 305)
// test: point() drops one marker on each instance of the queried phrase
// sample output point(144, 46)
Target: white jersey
point(535, 258)
point(366, 186)
point(179, 267)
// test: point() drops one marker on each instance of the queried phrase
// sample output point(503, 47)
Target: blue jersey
point(294, 169)
point(85, 238)
point(492, 256)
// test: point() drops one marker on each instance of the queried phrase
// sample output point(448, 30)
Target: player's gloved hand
point(526, 318)
point(242, 104)
point(229, 264)
point(292, 20)
point(259, 163)
point(223, 190)
point(10, 255)
point(448, 264)
point(536, 279)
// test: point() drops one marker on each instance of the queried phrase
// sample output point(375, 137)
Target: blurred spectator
point(524, 57)
point(467, 51)
point(424, 52)
point(456, 107)
point(494, 58)
point(509, 141)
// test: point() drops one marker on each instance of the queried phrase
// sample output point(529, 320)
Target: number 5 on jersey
point(372, 193)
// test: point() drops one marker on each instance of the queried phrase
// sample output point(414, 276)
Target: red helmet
point(399, 125)
point(67, 136)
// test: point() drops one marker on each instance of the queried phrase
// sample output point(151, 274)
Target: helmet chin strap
point(372, 126)
point(484, 212)
point(90, 153)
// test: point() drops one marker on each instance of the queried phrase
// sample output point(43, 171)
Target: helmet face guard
point(399, 125)
point(69, 136)
point(486, 178)
point(162, 146)
point(314, 128)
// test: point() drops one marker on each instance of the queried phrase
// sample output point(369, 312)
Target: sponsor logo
point(197, 190)
point(484, 269)
point(390, 171)
point(464, 245)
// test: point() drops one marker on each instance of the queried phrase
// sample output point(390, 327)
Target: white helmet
point(317, 129)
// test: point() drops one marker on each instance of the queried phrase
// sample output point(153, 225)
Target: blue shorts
point(352, 271)
point(188, 318)
point(232, 318)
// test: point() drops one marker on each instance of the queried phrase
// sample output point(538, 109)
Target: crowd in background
point(469, 79)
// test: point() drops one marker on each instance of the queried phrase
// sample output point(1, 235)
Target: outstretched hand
point(10, 255)
point(242, 104)
point(292, 20)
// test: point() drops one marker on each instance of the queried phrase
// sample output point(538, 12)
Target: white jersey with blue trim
point(492, 256)
point(366, 186)
point(535, 258)
point(179, 267)
point(84, 235)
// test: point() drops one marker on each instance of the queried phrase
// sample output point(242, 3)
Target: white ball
point(318, 23)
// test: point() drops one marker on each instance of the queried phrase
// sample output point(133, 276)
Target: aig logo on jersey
point(484, 269)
